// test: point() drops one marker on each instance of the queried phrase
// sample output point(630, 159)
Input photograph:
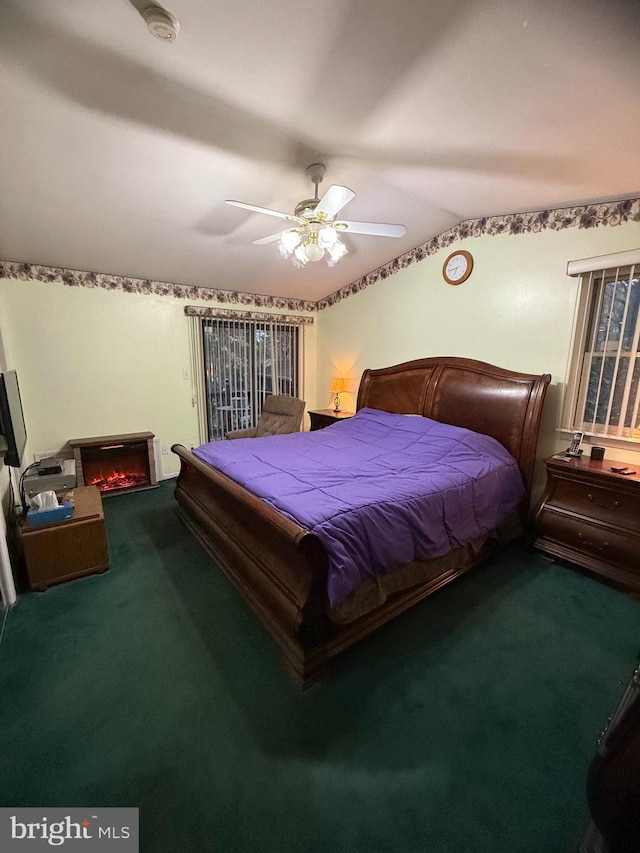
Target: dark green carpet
point(465, 726)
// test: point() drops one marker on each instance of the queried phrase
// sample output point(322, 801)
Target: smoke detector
point(161, 23)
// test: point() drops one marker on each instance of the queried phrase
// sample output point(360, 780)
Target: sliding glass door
point(244, 361)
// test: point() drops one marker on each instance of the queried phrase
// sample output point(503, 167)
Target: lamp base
point(336, 403)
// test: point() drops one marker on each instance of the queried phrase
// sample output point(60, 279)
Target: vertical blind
point(243, 361)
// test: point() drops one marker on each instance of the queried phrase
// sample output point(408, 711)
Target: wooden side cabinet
point(590, 516)
point(53, 553)
point(321, 418)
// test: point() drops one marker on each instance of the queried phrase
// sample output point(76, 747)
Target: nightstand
point(53, 553)
point(322, 418)
point(590, 516)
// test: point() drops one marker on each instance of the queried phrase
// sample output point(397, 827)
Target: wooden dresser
point(590, 516)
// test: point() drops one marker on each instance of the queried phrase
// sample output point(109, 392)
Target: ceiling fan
point(317, 231)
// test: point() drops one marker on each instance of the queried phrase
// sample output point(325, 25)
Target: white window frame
point(608, 268)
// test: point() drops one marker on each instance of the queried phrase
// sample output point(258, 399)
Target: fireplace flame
point(118, 480)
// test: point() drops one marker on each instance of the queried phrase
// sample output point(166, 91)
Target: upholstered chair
point(280, 414)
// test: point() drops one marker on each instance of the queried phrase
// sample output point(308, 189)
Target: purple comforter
point(379, 490)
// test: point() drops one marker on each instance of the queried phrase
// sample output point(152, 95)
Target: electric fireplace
point(116, 463)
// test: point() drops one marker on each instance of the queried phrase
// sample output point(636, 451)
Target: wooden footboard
point(280, 568)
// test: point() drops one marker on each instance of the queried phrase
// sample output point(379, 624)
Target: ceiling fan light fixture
point(312, 243)
point(317, 234)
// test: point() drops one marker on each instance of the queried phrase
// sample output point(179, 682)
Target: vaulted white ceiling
point(117, 151)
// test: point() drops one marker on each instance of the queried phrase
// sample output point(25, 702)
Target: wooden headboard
point(467, 393)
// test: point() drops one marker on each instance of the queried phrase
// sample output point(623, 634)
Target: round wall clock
point(457, 268)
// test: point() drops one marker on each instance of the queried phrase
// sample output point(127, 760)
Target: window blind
point(242, 361)
point(607, 390)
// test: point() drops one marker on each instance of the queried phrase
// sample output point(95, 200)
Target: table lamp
point(338, 386)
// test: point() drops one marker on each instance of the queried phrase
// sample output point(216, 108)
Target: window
point(603, 395)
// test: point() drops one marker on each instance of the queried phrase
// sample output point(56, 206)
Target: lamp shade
point(338, 385)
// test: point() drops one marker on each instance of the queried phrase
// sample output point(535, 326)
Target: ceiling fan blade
point(271, 238)
point(378, 229)
point(334, 200)
point(290, 216)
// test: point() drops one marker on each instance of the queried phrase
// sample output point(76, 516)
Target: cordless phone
point(574, 447)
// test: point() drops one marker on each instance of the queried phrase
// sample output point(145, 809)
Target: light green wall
point(98, 362)
point(515, 311)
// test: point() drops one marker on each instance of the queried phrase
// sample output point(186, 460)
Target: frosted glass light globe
point(290, 239)
point(327, 236)
point(314, 252)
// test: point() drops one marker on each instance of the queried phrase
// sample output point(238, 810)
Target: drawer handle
point(603, 505)
point(600, 546)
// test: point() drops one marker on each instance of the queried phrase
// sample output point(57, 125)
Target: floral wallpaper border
point(79, 278)
point(580, 216)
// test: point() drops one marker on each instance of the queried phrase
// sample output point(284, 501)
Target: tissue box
point(49, 515)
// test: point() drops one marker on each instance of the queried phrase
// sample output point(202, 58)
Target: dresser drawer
point(605, 544)
point(612, 505)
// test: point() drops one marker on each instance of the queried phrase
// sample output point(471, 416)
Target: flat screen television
point(12, 425)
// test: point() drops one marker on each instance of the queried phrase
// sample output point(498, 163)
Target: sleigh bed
point(283, 569)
